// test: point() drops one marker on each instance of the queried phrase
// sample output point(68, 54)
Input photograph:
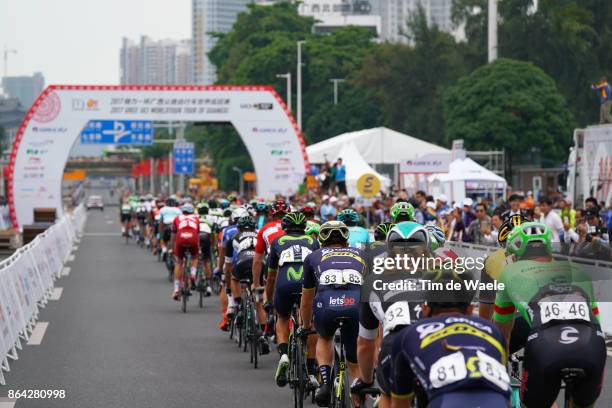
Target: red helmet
point(279, 207)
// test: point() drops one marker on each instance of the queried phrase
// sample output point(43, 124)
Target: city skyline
point(81, 52)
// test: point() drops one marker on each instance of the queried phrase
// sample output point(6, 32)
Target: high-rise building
point(163, 62)
point(24, 88)
point(211, 16)
point(395, 15)
point(333, 14)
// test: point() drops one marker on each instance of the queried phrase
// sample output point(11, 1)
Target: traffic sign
point(120, 132)
point(368, 185)
point(184, 153)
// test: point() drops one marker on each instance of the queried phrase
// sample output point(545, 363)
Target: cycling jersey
point(266, 235)
point(449, 354)
point(287, 255)
point(359, 237)
point(493, 266)
point(186, 228)
point(126, 209)
point(168, 214)
point(239, 252)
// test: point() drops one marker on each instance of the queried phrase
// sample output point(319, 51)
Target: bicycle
point(341, 397)
point(185, 286)
point(298, 376)
point(251, 332)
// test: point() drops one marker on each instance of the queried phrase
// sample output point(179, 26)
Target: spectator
point(605, 99)
point(468, 214)
point(340, 176)
point(537, 214)
point(529, 202)
point(479, 230)
point(328, 211)
point(496, 223)
point(328, 177)
point(441, 205)
point(551, 219)
point(457, 228)
point(515, 201)
point(591, 203)
point(567, 214)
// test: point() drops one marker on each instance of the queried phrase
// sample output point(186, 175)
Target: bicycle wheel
point(255, 338)
point(187, 262)
point(200, 285)
point(300, 363)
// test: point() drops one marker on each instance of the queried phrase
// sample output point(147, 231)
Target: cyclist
point(556, 299)
point(205, 244)
point(262, 213)
point(141, 217)
point(286, 259)
point(359, 237)
point(126, 217)
point(185, 229)
point(392, 309)
point(266, 235)
point(332, 281)
point(493, 265)
point(227, 234)
point(402, 211)
point(381, 231)
point(312, 222)
point(459, 359)
point(167, 216)
point(156, 219)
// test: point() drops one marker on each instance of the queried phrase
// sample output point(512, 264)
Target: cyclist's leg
point(194, 248)
point(325, 325)
point(178, 268)
point(282, 306)
point(384, 370)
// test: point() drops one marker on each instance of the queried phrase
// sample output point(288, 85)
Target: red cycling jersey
point(266, 235)
point(187, 230)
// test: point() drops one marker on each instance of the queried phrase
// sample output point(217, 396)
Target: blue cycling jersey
point(359, 237)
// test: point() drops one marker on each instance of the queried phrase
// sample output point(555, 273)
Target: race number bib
point(447, 370)
point(340, 277)
point(294, 254)
point(493, 370)
point(564, 311)
point(397, 314)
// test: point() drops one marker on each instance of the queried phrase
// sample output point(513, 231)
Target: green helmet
point(528, 233)
point(293, 221)
point(408, 231)
point(402, 208)
point(312, 228)
point(329, 228)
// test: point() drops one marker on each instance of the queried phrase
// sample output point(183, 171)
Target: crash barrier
point(27, 280)
point(601, 271)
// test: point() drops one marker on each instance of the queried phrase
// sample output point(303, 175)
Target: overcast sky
point(78, 41)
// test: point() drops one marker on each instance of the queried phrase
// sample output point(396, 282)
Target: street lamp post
point(492, 37)
point(299, 83)
point(241, 184)
point(335, 81)
point(287, 76)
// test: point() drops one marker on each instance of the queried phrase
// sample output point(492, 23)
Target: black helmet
point(246, 222)
point(441, 297)
point(381, 231)
point(294, 221)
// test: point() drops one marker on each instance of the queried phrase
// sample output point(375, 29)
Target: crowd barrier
point(600, 270)
point(27, 279)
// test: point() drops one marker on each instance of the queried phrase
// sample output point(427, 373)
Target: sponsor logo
point(257, 106)
point(40, 143)
point(49, 129)
point(49, 109)
point(319, 305)
point(280, 152)
point(277, 145)
point(276, 130)
point(342, 301)
point(283, 161)
point(569, 335)
point(34, 160)
point(281, 176)
point(428, 328)
point(533, 337)
point(85, 105)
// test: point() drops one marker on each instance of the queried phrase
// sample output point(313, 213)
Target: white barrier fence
point(600, 270)
point(27, 279)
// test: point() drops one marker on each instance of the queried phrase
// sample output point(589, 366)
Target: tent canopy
point(356, 166)
point(468, 170)
point(377, 146)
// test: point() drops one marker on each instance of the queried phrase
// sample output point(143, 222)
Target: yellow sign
point(368, 185)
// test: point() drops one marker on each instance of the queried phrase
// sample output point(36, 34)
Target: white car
point(95, 201)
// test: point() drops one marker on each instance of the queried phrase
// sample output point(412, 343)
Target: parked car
point(95, 201)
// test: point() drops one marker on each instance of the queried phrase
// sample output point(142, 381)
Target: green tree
point(509, 104)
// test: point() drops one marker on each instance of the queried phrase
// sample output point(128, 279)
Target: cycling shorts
point(286, 292)
point(186, 242)
point(205, 244)
point(384, 372)
point(472, 398)
point(332, 304)
point(167, 234)
point(126, 217)
point(553, 348)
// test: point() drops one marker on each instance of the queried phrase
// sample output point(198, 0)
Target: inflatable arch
point(55, 120)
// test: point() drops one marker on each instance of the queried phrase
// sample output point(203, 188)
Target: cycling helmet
point(202, 208)
point(261, 207)
point(232, 198)
point(349, 217)
point(227, 213)
point(171, 201)
point(333, 232)
point(149, 197)
point(402, 209)
point(141, 199)
point(212, 204)
point(253, 203)
point(508, 226)
point(250, 209)
point(308, 210)
point(381, 231)
point(223, 203)
point(239, 213)
point(448, 299)
point(408, 231)
point(312, 228)
point(279, 208)
point(437, 238)
point(187, 208)
point(529, 234)
point(294, 221)
point(246, 222)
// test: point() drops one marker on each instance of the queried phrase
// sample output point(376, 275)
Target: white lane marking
point(38, 333)
point(6, 404)
point(109, 222)
point(70, 258)
point(66, 271)
point(57, 294)
point(102, 234)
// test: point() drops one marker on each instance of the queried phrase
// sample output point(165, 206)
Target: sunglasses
point(326, 232)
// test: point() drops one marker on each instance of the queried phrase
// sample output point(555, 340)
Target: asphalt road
point(116, 339)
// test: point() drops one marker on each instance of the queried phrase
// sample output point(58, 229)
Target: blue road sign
point(120, 132)
point(184, 153)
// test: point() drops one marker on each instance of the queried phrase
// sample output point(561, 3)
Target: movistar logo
point(295, 275)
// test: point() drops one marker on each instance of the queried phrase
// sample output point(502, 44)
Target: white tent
point(465, 175)
point(356, 167)
point(377, 146)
